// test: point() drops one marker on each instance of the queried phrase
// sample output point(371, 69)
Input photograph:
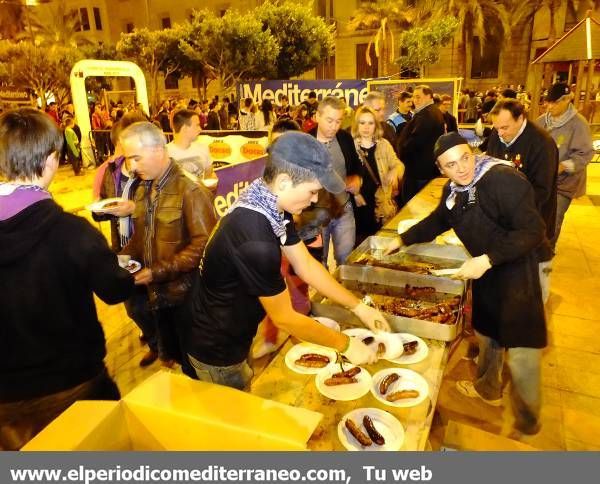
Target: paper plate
point(404, 225)
point(100, 205)
point(419, 355)
point(409, 380)
point(300, 349)
point(386, 424)
point(133, 266)
point(343, 393)
point(330, 323)
point(358, 332)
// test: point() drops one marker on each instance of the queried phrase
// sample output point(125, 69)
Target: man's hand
point(371, 318)
point(143, 277)
point(123, 208)
point(474, 268)
point(394, 247)
point(359, 353)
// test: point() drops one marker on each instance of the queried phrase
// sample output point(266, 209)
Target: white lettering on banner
point(224, 202)
point(295, 95)
point(415, 475)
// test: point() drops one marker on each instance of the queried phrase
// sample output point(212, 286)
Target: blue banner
point(354, 90)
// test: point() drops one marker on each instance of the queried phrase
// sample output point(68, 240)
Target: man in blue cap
point(240, 279)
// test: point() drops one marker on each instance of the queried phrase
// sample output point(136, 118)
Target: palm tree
point(382, 18)
point(12, 19)
point(525, 11)
point(59, 25)
point(485, 19)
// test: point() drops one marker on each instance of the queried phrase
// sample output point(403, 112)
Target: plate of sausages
point(387, 345)
point(370, 429)
point(309, 359)
point(414, 350)
point(399, 387)
point(343, 382)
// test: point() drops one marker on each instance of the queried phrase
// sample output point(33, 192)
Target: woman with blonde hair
point(381, 171)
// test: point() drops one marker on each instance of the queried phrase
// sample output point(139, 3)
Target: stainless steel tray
point(442, 256)
point(390, 282)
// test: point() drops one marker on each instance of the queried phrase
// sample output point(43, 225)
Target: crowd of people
point(204, 286)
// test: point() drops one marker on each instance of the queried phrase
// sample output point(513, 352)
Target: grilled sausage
point(381, 349)
point(358, 434)
point(348, 373)
point(387, 381)
point(372, 431)
point(309, 363)
point(343, 380)
point(411, 347)
point(314, 356)
point(402, 395)
point(368, 340)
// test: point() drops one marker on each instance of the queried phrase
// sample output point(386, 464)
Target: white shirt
point(194, 161)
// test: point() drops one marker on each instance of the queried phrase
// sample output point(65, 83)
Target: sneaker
point(466, 388)
point(528, 429)
point(149, 358)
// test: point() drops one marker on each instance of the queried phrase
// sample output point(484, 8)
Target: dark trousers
point(171, 326)
point(139, 311)
point(22, 420)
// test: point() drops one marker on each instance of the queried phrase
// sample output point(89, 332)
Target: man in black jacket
point(52, 263)
point(534, 153)
point(491, 208)
point(415, 145)
point(342, 227)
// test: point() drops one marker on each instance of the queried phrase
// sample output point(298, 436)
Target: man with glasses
point(571, 133)
point(491, 208)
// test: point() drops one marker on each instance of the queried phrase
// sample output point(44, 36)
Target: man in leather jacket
point(173, 219)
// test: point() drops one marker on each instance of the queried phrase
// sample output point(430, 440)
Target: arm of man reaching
point(315, 274)
point(279, 309)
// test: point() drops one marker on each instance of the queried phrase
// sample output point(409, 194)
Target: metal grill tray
point(441, 256)
point(387, 282)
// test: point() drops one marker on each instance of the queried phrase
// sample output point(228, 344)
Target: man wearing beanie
point(571, 133)
point(240, 280)
point(491, 207)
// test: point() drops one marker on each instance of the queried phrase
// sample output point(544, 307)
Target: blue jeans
point(235, 376)
point(524, 365)
point(342, 231)
point(562, 205)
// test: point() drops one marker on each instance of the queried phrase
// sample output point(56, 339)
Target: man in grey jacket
point(571, 132)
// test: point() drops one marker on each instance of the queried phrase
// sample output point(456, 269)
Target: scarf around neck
point(259, 198)
point(483, 164)
point(553, 123)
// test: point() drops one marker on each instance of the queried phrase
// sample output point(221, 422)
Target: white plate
point(409, 380)
point(344, 393)
point(386, 424)
point(404, 225)
point(358, 332)
point(300, 349)
point(99, 206)
point(419, 355)
point(393, 341)
point(133, 266)
point(330, 323)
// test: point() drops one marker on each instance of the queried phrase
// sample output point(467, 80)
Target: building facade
point(497, 63)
